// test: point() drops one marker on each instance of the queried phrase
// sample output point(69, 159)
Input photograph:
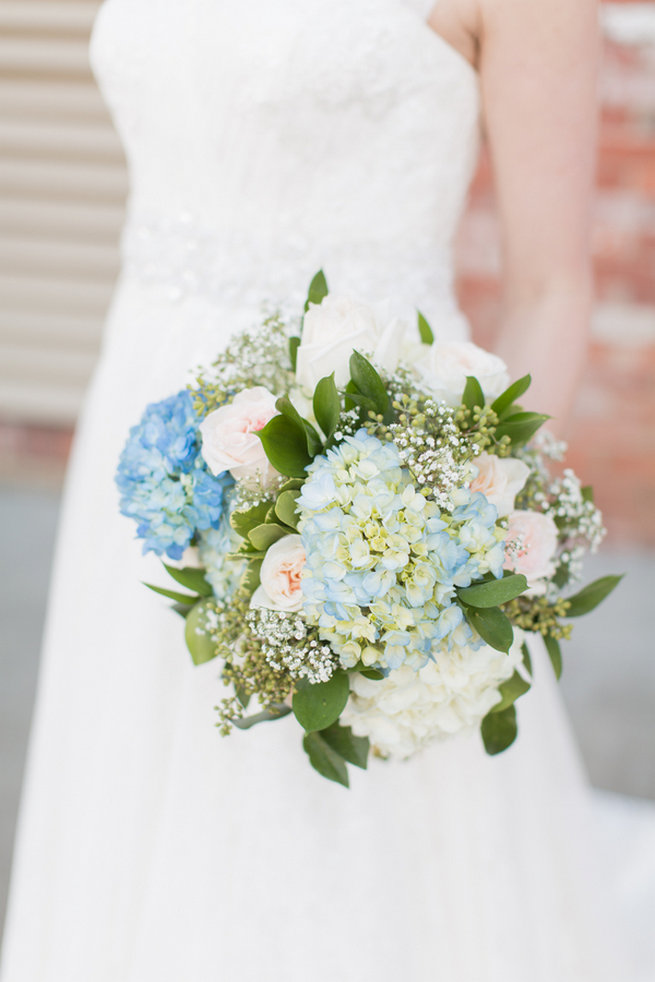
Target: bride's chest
point(308, 54)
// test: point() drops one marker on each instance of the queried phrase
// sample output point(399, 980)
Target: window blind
point(62, 192)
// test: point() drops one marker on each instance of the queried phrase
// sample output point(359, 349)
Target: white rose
point(530, 548)
point(229, 438)
point(280, 576)
point(445, 365)
point(499, 479)
point(332, 330)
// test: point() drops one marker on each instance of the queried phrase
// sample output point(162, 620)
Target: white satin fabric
point(266, 140)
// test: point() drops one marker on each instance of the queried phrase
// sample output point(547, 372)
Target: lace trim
point(180, 259)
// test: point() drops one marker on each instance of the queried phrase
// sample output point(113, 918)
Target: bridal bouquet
point(365, 530)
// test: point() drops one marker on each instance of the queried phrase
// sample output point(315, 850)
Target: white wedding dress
point(266, 140)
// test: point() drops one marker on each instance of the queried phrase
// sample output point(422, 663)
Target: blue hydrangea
point(214, 547)
point(383, 561)
point(163, 481)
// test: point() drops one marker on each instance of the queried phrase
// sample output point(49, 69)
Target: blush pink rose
point(229, 438)
point(499, 479)
point(531, 546)
point(280, 576)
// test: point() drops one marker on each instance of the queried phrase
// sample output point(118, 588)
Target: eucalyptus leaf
point(499, 730)
point(352, 748)
point(294, 344)
point(318, 289)
point(197, 634)
point(493, 592)
point(511, 394)
point(190, 577)
point(243, 521)
point(264, 536)
point(319, 705)
point(510, 691)
point(590, 596)
point(325, 760)
point(285, 508)
point(492, 625)
point(179, 598)
point(520, 427)
point(285, 446)
point(555, 654)
point(327, 405)
point(424, 329)
point(473, 395)
point(291, 484)
point(266, 716)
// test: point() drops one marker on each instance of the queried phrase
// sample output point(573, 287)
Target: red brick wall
point(612, 441)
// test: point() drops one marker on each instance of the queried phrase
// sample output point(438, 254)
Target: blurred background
point(62, 194)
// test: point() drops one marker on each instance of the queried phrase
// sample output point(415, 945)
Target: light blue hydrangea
point(164, 483)
point(214, 547)
point(383, 561)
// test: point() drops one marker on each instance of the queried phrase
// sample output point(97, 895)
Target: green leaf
point(511, 394)
point(182, 609)
point(510, 692)
point(527, 661)
point(352, 748)
point(294, 344)
point(561, 577)
point(285, 508)
point(499, 730)
point(325, 760)
point(555, 654)
point(264, 536)
point(265, 716)
point(318, 289)
point(473, 395)
point(370, 384)
point(424, 329)
point(520, 427)
point(190, 577)
point(590, 596)
point(291, 484)
point(492, 625)
point(243, 521)
point(312, 439)
point(493, 592)
point(250, 579)
point(180, 598)
point(285, 446)
point(197, 635)
point(355, 398)
point(374, 674)
point(587, 493)
point(327, 405)
point(320, 705)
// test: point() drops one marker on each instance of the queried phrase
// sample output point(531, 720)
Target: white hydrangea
point(407, 710)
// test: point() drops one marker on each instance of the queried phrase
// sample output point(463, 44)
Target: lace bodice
point(265, 140)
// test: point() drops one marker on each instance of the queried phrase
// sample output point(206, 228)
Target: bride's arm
point(538, 68)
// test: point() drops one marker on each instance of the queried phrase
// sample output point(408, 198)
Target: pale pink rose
point(499, 479)
point(280, 576)
point(445, 365)
point(530, 546)
point(229, 438)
